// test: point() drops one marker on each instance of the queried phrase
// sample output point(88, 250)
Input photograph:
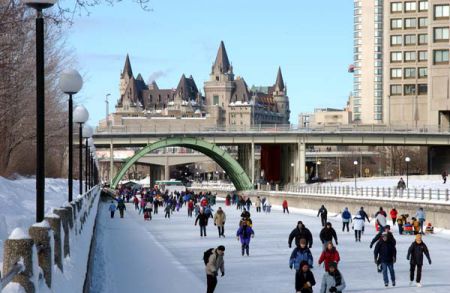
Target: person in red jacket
point(329, 255)
point(285, 207)
point(393, 214)
point(190, 208)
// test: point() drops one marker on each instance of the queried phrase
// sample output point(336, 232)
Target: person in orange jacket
point(285, 207)
point(393, 213)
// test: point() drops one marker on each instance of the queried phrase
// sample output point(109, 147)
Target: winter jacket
point(327, 234)
point(328, 256)
point(121, 206)
point(258, 203)
point(358, 223)
point(420, 215)
point(301, 279)
point(332, 280)
point(202, 219)
point(346, 216)
point(393, 213)
point(385, 252)
point(299, 234)
point(285, 204)
point(363, 215)
point(322, 212)
point(245, 233)
point(219, 218)
point(215, 263)
point(112, 207)
point(416, 252)
point(381, 220)
point(298, 255)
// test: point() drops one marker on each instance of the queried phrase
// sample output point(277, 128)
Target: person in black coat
point(327, 234)
point(377, 237)
point(304, 279)
point(323, 215)
point(415, 257)
point(300, 232)
point(385, 254)
point(202, 219)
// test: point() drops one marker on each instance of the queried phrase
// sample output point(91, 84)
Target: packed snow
point(165, 255)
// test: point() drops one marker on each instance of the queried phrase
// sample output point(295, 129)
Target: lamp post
point(407, 160)
point(87, 133)
point(107, 110)
point(355, 163)
point(39, 5)
point(80, 116)
point(70, 83)
point(317, 168)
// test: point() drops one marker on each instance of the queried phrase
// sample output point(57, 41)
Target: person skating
point(202, 220)
point(300, 232)
point(258, 204)
point(332, 281)
point(346, 219)
point(213, 265)
point(267, 206)
point(377, 237)
point(385, 255)
point(300, 254)
point(380, 218)
point(148, 209)
point(190, 208)
point(364, 215)
point(415, 256)
point(330, 254)
point(393, 213)
point(358, 226)
point(136, 203)
point(245, 233)
point(304, 279)
point(420, 216)
point(323, 213)
point(248, 203)
point(327, 234)
point(219, 221)
point(121, 206)
point(285, 207)
point(112, 209)
point(168, 210)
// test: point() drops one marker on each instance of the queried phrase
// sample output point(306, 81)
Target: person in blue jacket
point(346, 219)
point(299, 254)
point(244, 233)
point(112, 209)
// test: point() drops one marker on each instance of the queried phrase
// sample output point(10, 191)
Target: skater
point(112, 209)
point(385, 255)
point(330, 254)
point(148, 210)
point(393, 213)
point(142, 203)
point(364, 215)
point(380, 218)
point(168, 210)
point(420, 216)
point(444, 176)
point(415, 257)
point(285, 207)
point(332, 281)
point(323, 215)
point(121, 206)
point(377, 237)
point(219, 221)
point(267, 206)
point(358, 226)
point(190, 208)
point(301, 254)
point(248, 203)
point(213, 263)
point(346, 219)
point(244, 233)
point(202, 220)
point(258, 204)
point(136, 203)
point(300, 232)
point(327, 234)
point(304, 279)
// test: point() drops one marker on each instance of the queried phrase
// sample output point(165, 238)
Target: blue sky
point(310, 40)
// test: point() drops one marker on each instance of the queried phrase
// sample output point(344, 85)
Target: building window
point(423, 39)
point(410, 40)
point(409, 89)
point(396, 90)
point(441, 11)
point(215, 100)
point(396, 56)
point(440, 34)
point(423, 89)
point(423, 72)
point(396, 7)
point(410, 72)
point(423, 5)
point(410, 6)
point(396, 40)
point(423, 55)
point(423, 22)
point(410, 23)
point(440, 56)
point(396, 23)
point(396, 73)
point(410, 56)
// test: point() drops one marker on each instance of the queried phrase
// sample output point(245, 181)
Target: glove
point(370, 246)
point(215, 224)
point(394, 260)
point(336, 243)
point(310, 245)
point(290, 245)
point(333, 289)
point(290, 266)
point(429, 261)
point(223, 274)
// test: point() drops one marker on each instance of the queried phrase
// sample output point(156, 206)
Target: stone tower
point(281, 98)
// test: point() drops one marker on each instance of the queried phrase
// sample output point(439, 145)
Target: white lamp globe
point(87, 131)
point(355, 163)
point(80, 114)
point(408, 159)
point(70, 81)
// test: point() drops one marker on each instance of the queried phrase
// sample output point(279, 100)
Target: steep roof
point(222, 64)
point(187, 88)
point(279, 84)
point(240, 91)
point(127, 67)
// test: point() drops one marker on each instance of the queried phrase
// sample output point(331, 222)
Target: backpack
point(207, 254)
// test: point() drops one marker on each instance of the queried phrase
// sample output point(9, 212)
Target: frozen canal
point(165, 255)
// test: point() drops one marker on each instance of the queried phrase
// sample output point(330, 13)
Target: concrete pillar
point(39, 232)
point(71, 215)
point(301, 162)
point(15, 250)
point(55, 224)
point(64, 216)
point(111, 163)
point(252, 177)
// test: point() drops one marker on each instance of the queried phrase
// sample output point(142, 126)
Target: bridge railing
point(270, 128)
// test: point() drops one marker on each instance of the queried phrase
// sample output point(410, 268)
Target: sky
point(311, 41)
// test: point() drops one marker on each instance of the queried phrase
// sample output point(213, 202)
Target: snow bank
point(19, 233)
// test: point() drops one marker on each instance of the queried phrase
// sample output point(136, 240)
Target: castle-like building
point(227, 100)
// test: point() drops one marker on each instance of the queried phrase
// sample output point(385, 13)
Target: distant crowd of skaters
point(200, 205)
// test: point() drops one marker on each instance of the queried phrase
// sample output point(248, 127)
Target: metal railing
point(274, 128)
point(16, 269)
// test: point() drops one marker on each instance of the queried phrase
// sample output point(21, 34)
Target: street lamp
point(407, 160)
point(39, 5)
point(107, 110)
point(317, 168)
point(70, 83)
point(86, 133)
point(80, 116)
point(355, 163)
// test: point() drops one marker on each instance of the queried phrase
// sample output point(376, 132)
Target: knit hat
point(303, 241)
point(332, 264)
point(221, 248)
point(303, 263)
point(418, 237)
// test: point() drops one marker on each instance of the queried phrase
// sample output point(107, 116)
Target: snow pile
point(19, 233)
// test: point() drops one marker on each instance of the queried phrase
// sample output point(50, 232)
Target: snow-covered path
point(165, 256)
